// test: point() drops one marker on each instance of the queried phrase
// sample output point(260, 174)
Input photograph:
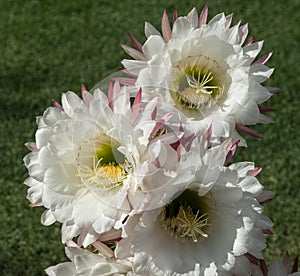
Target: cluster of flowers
point(140, 175)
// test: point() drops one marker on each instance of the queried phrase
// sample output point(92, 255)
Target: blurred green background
point(50, 47)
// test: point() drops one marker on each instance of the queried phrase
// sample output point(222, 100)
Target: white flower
point(206, 228)
point(86, 263)
point(205, 71)
point(91, 157)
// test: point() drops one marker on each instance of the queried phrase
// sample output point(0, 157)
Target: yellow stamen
point(199, 81)
point(192, 224)
point(105, 178)
point(199, 84)
point(185, 225)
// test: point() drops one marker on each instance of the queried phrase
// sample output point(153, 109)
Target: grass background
point(49, 47)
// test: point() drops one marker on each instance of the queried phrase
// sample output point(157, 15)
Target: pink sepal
point(267, 232)
point(137, 55)
point(57, 105)
point(31, 146)
point(87, 97)
point(183, 144)
point(239, 23)
point(125, 81)
point(36, 204)
point(154, 113)
point(110, 96)
point(116, 89)
point(165, 27)
point(203, 16)
point(244, 30)
point(272, 90)
point(104, 249)
point(187, 141)
point(263, 59)
point(295, 265)
point(125, 71)
point(265, 109)
point(156, 163)
point(175, 15)
point(136, 43)
point(113, 92)
point(160, 122)
point(255, 172)
point(136, 105)
point(247, 131)
point(250, 41)
point(251, 258)
point(71, 243)
point(287, 261)
point(263, 267)
point(181, 127)
point(208, 133)
point(265, 196)
point(83, 88)
point(228, 20)
point(110, 236)
point(231, 152)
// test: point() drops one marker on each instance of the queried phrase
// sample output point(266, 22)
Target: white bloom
point(206, 227)
point(205, 71)
point(91, 157)
point(85, 263)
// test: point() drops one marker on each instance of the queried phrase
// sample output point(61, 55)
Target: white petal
point(133, 66)
point(251, 185)
point(261, 72)
point(150, 30)
point(243, 168)
point(259, 93)
point(71, 103)
point(47, 218)
point(63, 269)
point(42, 137)
point(263, 119)
point(218, 22)
point(193, 17)
point(181, 28)
point(122, 104)
point(153, 46)
point(249, 114)
point(253, 50)
point(34, 193)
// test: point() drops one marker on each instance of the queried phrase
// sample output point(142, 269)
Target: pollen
point(198, 82)
point(103, 177)
point(186, 225)
point(192, 225)
point(101, 166)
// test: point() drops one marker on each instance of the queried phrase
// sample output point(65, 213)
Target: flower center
point(199, 82)
point(101, 165)
point(186, 217)
point(105, 178)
